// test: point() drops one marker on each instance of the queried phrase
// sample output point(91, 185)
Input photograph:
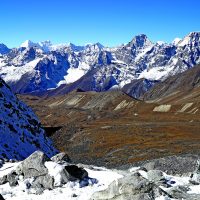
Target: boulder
point(33, 166)
point(61, 157)
point(76, 173)
point(180, 192)
point(195, 176)
point(128, 187)
point(143, 196)
point(109, 193)
point(58, 172)
point(155, 176)
point(43, 182)
point(12, 178)
point(174, 165)
point(3, 180)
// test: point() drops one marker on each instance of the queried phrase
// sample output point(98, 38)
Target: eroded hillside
point(113, 129)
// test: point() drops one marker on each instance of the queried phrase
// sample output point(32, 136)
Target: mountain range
point(134, 67)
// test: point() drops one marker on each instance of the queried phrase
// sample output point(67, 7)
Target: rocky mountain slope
point(43, 66)
point(112, 129)
point(182, 88)
point(20, 131)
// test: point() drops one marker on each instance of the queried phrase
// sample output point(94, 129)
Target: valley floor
point(113, 130)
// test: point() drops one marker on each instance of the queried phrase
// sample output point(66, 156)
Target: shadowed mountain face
point(41, 67)
point(112, 129)
point(137, 88)
point(182, 88)
point(20, 131)
point(4, 49)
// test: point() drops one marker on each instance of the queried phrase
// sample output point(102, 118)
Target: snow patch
point(69, 191)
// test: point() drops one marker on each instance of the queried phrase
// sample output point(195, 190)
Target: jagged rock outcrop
point(61, 157)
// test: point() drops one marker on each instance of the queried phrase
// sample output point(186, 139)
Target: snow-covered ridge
point(42, 66)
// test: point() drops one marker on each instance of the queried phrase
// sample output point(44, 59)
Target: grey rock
point(195, 176)
point(109, 193)
point(128, 187)
point(143, 196)
point(180, 192)
point(61, 157)
point(43, 182)
point(33, 166)
point(12, 178)
point(155, 175)
point(3, 180)
point(174, 165)
point(65, 177)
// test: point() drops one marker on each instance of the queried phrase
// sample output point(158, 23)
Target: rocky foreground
point(39, 177)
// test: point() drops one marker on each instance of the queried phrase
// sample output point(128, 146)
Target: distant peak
point(94, 46)
point(99, 45)
point(192, 38)
point(141, 36)
point(140, 41)
point(160, 43)
point(4, 49)
point(45, 43)
point(193, 34)
point(176, 41)
point(29, 44)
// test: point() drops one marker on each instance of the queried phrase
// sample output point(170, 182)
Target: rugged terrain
point(115, 107)
point(41, 177)
point(40, 67)
point(113, 129)
point(182, 88)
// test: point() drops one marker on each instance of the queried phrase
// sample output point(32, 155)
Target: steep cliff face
point(20, 131)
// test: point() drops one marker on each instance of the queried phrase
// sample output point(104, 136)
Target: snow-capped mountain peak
point(160, 43)
point(74, 47)
point(29, 44)
point(176, 41)
point(45, 45)
point(46, 66)
point(94, 47)
point(192, 39)
point(140, 41)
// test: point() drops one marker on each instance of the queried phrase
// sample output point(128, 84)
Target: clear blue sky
point(111, 22)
